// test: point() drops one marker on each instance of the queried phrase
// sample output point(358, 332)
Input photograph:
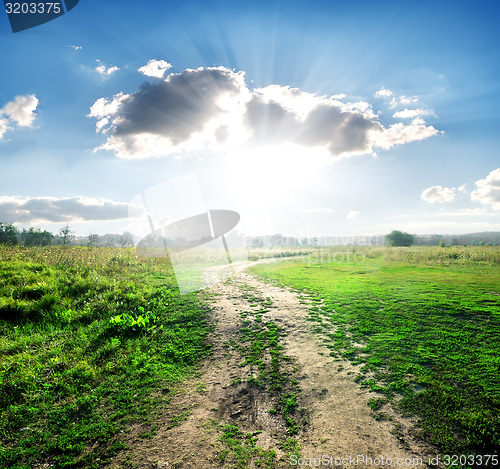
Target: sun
point(274, 174)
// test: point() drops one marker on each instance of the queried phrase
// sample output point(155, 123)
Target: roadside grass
point(257, 253)
point(425, 325)
point(91, 341)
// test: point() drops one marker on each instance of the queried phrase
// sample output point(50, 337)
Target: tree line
point(9, 234)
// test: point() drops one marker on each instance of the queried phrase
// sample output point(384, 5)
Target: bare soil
point(340, 423)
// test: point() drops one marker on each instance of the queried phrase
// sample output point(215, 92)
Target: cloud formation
point(213, 108)
point(396, 100)
point(352, 214)
point(19, 112)
point(15, 209)
point(155, 68)
point(383, 92)
point(412, 113)
point(488, 190)
point(105, 71)
point(404, 100)
point(439, 194)
point(4, 126)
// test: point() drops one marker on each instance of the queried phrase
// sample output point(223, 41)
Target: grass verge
point(426, 332)
point(91, 341)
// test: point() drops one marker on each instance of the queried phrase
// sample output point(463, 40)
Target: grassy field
point(425, 325)
point(94, 341)
point(91, 341)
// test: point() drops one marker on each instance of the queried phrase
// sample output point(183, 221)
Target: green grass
point(241, 449)
point(261, 347)
point(91, 341)
point(424, 324)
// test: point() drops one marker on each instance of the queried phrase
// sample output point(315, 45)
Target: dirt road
point(341, 428)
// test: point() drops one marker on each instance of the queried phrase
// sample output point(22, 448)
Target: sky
point(317, 118)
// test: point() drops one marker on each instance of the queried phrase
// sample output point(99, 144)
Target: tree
point(125, 239)
point(36, 237)
point(8, 233)
point(66, 234)
point(92, 238)
point(399, 238)
point(276, 239)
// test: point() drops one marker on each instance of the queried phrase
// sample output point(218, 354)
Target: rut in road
point(340, 423)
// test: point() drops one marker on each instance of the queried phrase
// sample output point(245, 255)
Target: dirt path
point(341, 424)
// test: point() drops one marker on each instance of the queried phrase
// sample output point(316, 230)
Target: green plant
point(143, 321)
point(241, 449)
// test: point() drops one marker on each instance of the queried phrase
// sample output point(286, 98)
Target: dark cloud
point(340, 131)
point(213, 106)
point(51, 209)
point(178, 106)
point(269, 121)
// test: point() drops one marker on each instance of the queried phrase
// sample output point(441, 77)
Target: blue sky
point(308, 118)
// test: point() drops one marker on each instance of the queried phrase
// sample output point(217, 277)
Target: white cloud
point(75, 47)
point(101, 123)
point(352, 214)
point(488, 190)
point(398, 134)
point(21, 110)
point(4, 126)
point(15, 209)
point(104, 107)
point(320, 210)
point(155, 68)
point(439, 194)
point(383, 93)
point(105, 71)
point(213, 108)
point(412, 113)
point(408, 99)
point(469, 212)
point(403, 100)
